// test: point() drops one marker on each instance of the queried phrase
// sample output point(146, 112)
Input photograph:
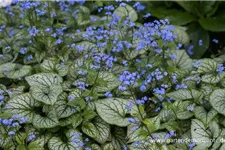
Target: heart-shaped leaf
point(46, 94)
point(55, 143)
point(48, 121)
point(44, 79)
point(196, 32)
point(126, 11)
point(200, 134)
point(62, 109)
point(207, 66)
point(181, 109)
point(23, 105)
point(152, 124)
point(98, 129)
point(5, 58)
point(118, 138)
point(185, 94)
point(182, 36)
point(53, 65)
point(14, 71)
point(113, 111)
point(110, 80)
point(182, 61)
point(217, 100)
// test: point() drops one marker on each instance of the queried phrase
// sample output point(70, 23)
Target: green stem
point(15, 57)
point(142, 118)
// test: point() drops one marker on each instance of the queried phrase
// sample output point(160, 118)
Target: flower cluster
point(12, 124)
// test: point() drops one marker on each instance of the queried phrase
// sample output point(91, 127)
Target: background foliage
point(203, 19)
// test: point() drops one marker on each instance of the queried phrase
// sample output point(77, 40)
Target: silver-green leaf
point(44, 79)
point(23, 105)
point(185, 94)
point(55, 143)
point(50, 121)
point(126, 11)
point(182, 61)
point(46, 94)
point(111, 82)
point(113, 111)
point(14, 71)
point(200, 134)
point(217, 100)
point(62, 109)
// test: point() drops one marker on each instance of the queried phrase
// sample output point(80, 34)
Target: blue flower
point(81, 85)
point(125, 147)
point(132, 120)
point(157, 109)
point(215, 41)
point(29, 58)
point(122, 88)
point(190, 107)
point(200, 42)
point(108, 94)
point(125, 63)
point(179, 46)
point(191, 145)
point(75, 134)
point(147, 15)
point(1, 97)
point(23, 50)
point(31, 137)
point(160, 91)
point(189, 50)
point(15, 124)
point(71, 97)
point(80, 48)
point(58, 41)
point(11, 32)
point(136, 143)
point(81, 2)
point(181, 86)
point(7, 121)
point(23, 119)
point(33, 31)
point(172, 133)
point(149, 66)
point(129, 106)
point(140, 101)
point(154, 135)
point(173, 56)
point(138, 6)
point(11, 133)
point(143, 88)
point(220, 68)
point(88, 98)
point(1, 91)
point(158, 51)
point(196, 64)
point(80, 144)
point(167, 135)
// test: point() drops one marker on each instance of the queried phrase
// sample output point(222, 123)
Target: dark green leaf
point(197, 33)
point(215, 24)
point(176, 17)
